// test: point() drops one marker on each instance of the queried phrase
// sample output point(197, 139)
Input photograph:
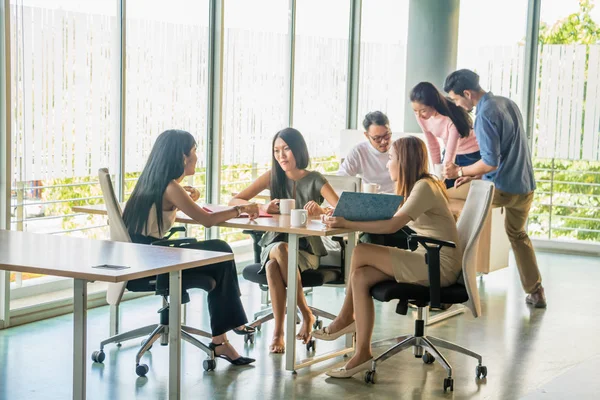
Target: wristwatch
point(460, 172)
point(238, 209)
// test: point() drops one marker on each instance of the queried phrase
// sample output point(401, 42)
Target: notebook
point(356, 206)
point(210, 208)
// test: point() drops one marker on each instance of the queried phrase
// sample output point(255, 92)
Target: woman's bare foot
point(356, 360)
point(306, 328)
point(228, 350)
point(277, 344)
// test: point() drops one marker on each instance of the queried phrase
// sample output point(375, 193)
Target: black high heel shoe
point(238, 361)
point(245, 330)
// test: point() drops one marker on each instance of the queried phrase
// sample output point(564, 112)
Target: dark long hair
point(427, 94)
point(164, 164)
point(295, 141)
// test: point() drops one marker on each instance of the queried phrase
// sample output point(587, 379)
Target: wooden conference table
point(279, 223)
point(86, 260)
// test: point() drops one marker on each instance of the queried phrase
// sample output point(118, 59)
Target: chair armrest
point(174, 230)
point(425, 240)
point(174, 242)
point(342, 241)
point(432, 259)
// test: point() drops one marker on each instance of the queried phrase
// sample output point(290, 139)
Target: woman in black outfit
point(150, 212)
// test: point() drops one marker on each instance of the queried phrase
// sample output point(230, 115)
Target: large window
point(65, 120)
point(566, 145)
point(384, 30)
point(166, 81)
point(321, 76)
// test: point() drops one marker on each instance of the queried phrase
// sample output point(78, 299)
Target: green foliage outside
point(569, 206)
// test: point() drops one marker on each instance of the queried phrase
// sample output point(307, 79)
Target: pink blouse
point(442, 127)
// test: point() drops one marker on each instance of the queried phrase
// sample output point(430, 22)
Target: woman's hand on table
point(193, 192)
point(313, 208)
point(334, 222)
point(271, 207)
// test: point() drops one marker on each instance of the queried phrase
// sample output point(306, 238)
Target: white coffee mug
point(286, 205)
point(370, 188)
point(438, 170)
point(299, 217)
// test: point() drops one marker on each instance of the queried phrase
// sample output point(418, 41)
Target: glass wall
point(65, 112)
point(321, 77)
point(166, 81)
point(566, 145)
point(384, 31)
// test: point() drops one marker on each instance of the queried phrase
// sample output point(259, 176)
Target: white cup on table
point(286, 205)
point(299, 217)
point(370, 188)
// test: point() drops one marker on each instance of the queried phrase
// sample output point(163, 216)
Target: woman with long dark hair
point(426, 211)
point(289, 179)
point(439, 117)
point(150, 212)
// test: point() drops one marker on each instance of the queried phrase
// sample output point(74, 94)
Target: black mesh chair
point(476, 209)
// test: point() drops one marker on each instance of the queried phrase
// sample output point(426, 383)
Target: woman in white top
point(150, 213)
point(425, 210)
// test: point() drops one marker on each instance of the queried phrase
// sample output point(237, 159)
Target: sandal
point(238, 361)
point(245, 330)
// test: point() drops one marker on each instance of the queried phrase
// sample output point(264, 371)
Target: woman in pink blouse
point(441, 118)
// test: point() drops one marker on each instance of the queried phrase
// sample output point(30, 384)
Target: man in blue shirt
point(506, 161)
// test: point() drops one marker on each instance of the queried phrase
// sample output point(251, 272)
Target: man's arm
point(351, 165)
point(489, 147)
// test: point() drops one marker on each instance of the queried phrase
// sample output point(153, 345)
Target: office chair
point(477, 208)
point(159, 285)
point(331, 270)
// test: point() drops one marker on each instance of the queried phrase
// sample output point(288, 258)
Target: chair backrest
point(118, 230)
point(344, 183)
point(471, 221)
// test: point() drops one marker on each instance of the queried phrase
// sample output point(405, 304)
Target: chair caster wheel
point(370, 377)
point(249, 337)
point(428, 358)
point(318, 324)
point(98, 356)
point(209, 365)
point(311, 344)
point(144, 343)
point(141, 369)
point(449, 384)
point(480, 372)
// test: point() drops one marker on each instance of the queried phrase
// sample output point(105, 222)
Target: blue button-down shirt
point(503, 143)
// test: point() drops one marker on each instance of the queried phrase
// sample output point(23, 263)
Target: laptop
point(356, 206)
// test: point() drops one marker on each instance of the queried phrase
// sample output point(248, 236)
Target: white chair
point(114, 294)
point(476, 210)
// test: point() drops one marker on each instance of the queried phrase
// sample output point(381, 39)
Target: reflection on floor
point(533, 354)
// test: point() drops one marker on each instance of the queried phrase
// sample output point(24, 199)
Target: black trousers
point(224, 302)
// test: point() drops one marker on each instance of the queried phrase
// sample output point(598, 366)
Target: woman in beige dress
point(425, 210)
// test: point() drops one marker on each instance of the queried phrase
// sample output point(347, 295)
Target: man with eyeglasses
point(369, 159)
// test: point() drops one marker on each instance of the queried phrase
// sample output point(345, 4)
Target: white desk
point(76, 257)
point(280, 223)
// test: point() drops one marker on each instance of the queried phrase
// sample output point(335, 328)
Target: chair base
point(153, 333)
point(425, 347)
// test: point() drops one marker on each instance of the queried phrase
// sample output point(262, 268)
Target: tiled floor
point(533, 354)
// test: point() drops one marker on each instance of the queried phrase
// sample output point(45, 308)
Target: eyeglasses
point(381, 138)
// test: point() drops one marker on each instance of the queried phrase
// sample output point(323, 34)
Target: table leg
point(292, 289)
point(79, 337)
point(349, 250)
point(174, 335)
